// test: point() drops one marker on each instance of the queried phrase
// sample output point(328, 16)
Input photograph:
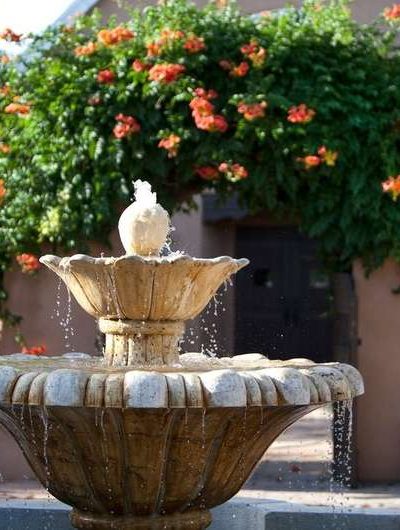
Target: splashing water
point(143, 193)
point(147, 199)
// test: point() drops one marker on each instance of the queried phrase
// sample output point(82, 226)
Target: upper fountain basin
point(176, 287)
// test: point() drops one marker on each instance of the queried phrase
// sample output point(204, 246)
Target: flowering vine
point(296, 112)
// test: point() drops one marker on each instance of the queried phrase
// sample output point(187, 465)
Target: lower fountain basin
point(119, 467)
point(140, 449)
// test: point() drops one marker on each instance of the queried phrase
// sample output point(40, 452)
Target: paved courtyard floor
point(296, 469)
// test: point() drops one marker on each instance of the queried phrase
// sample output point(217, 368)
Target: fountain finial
point(144, 225)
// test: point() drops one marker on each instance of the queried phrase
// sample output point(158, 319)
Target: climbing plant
point(296, 111)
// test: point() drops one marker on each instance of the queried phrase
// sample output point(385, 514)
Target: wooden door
point(283, 298)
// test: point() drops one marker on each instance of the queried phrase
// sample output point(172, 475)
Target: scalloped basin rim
point(50, 259)
point(243, 386)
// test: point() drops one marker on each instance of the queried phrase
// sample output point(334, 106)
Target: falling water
point(343, 426)
point(106, 454)
point(203, 428)
point(45, 421)
point(22, 417)
point(32, 429)
point(211, 344)
point(191, 336)
point(314, 473)
point(65, 323)
point(341, 468)
point(114, 293)
point(242, 469)
point(66, 319)
point(58, 300)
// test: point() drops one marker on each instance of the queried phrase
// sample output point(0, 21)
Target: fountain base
point(196, 520)
point(155, 449)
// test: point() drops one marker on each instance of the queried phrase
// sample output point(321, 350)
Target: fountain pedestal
point(141, 343)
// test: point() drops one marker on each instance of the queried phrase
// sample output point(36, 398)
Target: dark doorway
point(283, 298)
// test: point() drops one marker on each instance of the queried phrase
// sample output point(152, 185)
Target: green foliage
point(67, 175)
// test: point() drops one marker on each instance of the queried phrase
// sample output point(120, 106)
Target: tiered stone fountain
point(145, 438)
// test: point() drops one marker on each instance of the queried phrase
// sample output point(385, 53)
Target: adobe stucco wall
point(364, 10)
point(378, 412)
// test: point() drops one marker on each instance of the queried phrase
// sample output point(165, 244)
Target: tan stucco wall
point(364, 10)
point(378, 413)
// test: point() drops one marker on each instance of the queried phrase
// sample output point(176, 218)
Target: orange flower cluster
point(255, 53)
point(167, 37)
point(3, 191)
point(86, 49)
point(28, 263)
point(171, 144)
point(166, 72)
point(203, 112)
point(194, 44)
point(105, 77)
point(126, 126)
point(10, 36)
point(208, 172)
point(206, 94)
point(5, 90)
point(4, 148)
point(310, 161)
point(171, 35)
point(252, 111)
point(211, 123)
point(300, 114)
point(4, 59)
point(233, 172)
point(392, 186)
point(17, 108)
point(239, 70)
point(34, 350)
point(201, 107)
point(140, 66)
point(392, 13)
point(153, 49)
point(109, 37)
point(324, 156)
